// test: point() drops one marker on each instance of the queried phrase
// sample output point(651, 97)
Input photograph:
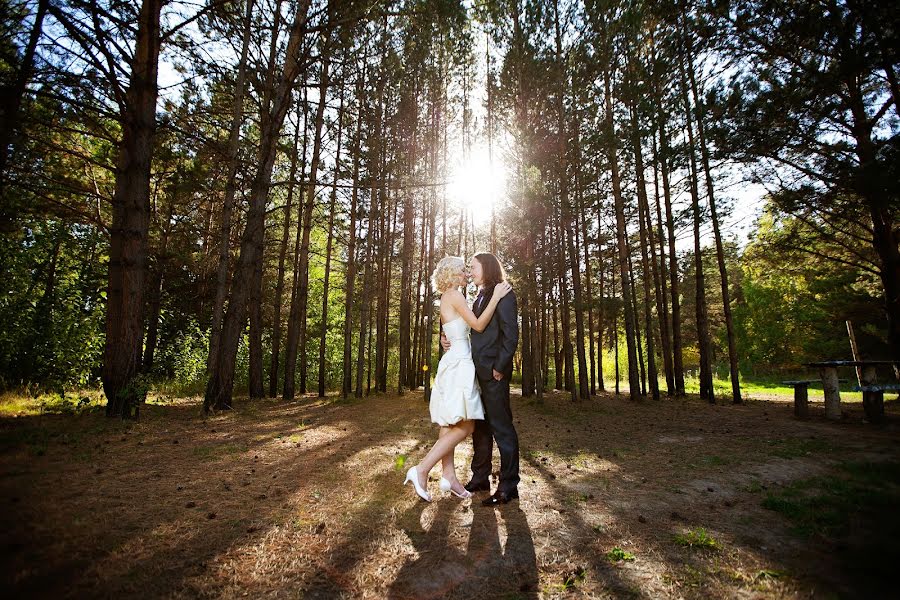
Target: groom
point(492, 352)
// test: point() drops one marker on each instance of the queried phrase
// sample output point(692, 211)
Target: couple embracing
point(471, 387)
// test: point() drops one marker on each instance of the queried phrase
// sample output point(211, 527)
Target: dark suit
point(493, 349)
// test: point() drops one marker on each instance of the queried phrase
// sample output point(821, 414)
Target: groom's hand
point(497, 375)
point(445, 343)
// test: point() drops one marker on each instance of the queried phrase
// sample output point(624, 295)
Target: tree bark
point(131, 219)
point(720, 253)
point(234, 138)
point(706, 384)
point(677, 346)
point(282, 256)
point(643, 210)
point(220, 387)
point(659, 278)
point(323, 338)
point(637, 321)
point(350, 272)
point(621, 233)
point(156, 293)
point(255, 375)
point(296, 343)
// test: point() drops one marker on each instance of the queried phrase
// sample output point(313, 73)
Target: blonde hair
point(446, 272)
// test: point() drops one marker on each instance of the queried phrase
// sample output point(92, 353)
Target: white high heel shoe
point(413, 475)
point(446, 486)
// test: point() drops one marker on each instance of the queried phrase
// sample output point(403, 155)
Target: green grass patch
point(854, 512)
point(617, 555)
point(825, 505)
point(697, 538)
point(754, 487)
point(573, 578)
point(69, 403)
point(770, 386)
point(400, 462)
point(797, 447)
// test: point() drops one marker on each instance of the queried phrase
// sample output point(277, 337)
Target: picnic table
point(873, 394)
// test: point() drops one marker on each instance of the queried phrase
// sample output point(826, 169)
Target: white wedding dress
point(455, 396)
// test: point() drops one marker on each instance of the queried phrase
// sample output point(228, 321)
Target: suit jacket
point(494, 347)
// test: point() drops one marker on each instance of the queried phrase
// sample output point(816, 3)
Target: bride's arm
point(458, 302)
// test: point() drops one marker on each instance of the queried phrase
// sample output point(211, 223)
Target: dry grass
point(304, 499)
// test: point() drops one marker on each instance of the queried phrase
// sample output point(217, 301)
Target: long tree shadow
point(487, 568)
point(583, 544)
point(140, 533)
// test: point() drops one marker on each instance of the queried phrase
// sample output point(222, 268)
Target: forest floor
point(668, 499)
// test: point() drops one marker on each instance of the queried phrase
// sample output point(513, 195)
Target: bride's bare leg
point(448, 467)
point(446, 443)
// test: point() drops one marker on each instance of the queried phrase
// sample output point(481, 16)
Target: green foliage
point(571, 579)
point(182, 362)
point(696, 538)
point(793, 304)
point(400, 462)
point(617, 554)
point(51, 305)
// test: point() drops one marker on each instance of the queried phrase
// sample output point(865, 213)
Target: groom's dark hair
point(491, 269)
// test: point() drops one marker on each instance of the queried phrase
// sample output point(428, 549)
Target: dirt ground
point(304, 499)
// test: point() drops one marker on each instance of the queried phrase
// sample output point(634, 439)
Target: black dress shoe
point(478, 486)
point(498, 498)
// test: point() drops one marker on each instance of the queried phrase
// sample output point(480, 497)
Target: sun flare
point(477, 183)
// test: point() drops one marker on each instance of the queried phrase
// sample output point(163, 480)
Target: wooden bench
point(801, 396)
point(873, 399)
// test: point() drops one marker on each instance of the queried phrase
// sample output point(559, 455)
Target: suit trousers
point(496, 426)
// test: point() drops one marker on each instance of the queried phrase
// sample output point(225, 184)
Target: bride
point(455, 399)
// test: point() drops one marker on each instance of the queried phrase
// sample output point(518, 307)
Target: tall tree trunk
point(643, 209)
point(255, 375)
point(568, 225)
point(221, 382)
point(429, 308)
point(621, 234)
point(720, 252)
point(282, 255)
point(659, 278)
point(156, 293)
point(404, 323)
point(296, 342)
point(234, 138)
point(367, 295)
point(582, 218)
point(559, 380)
point(131, 219)
point(376, 207)
point(601, 312)
point(293, 324)
point(615, 326)
point(323, 338)
point(415, 371)
point(565, 312)
point(677, 346)
point(637, 322)
point(350, 271)
point(703, 343)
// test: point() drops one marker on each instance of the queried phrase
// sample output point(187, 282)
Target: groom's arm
point(506, 315)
